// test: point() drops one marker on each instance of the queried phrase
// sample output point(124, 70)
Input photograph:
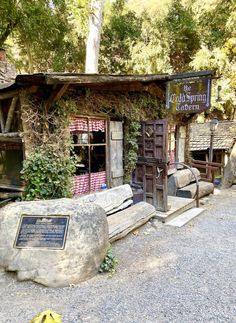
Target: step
point(177, 205)
point(189, 191)
point(185, 217)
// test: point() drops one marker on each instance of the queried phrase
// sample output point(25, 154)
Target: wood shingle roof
point(224, 137)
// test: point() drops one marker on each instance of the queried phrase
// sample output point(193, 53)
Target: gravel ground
point(165, 274)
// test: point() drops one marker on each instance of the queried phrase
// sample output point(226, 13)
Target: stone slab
point(177, 205)
point(185, 217)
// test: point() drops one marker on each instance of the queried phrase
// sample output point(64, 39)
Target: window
point(90, 146)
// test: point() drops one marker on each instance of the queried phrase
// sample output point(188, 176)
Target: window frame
point(89, 145)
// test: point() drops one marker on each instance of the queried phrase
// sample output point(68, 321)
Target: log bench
point(123, 222)
point(189, 191)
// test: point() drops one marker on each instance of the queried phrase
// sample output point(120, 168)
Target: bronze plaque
point(188, 96)
point(42, 231)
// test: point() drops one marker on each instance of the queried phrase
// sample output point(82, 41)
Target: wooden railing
point(209, 168)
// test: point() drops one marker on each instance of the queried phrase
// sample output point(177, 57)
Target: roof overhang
point(96, 79)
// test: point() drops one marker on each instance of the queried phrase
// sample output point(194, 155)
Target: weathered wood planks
point(123, 222)
point(110, 200)
point(189, 191)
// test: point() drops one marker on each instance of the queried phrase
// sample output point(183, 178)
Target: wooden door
point(151, 171)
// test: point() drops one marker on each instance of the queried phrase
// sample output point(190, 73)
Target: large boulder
point(85, 246)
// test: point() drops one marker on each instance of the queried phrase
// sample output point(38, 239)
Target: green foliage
point(132, 131)
point(47, 175)
point(109, 263)
point(49, 168)
point(213, 21)
point(151, 53)
point(143, 107)
point(138, 36)
point(39, 34)
point(119, 35)
point(133, 108)
point(182, 35)
point(218, 52)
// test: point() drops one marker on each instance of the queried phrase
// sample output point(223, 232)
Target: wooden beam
point(192, 75)
point(12, 187)
point(2, 121)
point(83, 79)
point(10, 114)
point(10, 134)
point(8, 95)
point(56, 95)
point(15, 140)
point(204, 162)
point(123, 222)
point(152, 88)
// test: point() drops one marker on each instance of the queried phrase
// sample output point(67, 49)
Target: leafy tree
point(218, 52)
point(40, 33)
point(212, 22)
point(182, 36)
point(120, 33)
point(151, 53)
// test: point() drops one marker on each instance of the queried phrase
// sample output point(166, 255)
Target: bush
point(47, 175)
point(109, 263)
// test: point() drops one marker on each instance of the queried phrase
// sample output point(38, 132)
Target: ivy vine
point(47, 172)
point(132, 108)
point(47, 175)
point(49, 167)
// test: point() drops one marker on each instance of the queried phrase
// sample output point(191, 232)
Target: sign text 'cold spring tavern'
point(190, 96)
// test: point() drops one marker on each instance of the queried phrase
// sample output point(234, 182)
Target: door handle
point(159, 172)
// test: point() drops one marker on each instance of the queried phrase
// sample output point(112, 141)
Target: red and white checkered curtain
point(81, 124)
point(81, 182)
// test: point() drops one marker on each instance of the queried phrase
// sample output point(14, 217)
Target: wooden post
point(24, 105)
point(2, 122)
point(10, 114)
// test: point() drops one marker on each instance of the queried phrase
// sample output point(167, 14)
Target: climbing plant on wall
point(49, 166)
point(48, 169)
point(132, 108)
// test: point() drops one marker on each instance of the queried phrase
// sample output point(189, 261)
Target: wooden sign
point(42, 232)
point(188, 96)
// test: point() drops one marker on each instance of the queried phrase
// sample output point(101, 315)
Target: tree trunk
point(93, 41)
point(230, 169)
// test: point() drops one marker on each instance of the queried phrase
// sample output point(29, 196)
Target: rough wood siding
point(24, 104)
point(116, 153)
point(181, 144)
point(187, 153)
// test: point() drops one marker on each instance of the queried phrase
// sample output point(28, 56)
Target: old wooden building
point(102, 109)
point(223, 142)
